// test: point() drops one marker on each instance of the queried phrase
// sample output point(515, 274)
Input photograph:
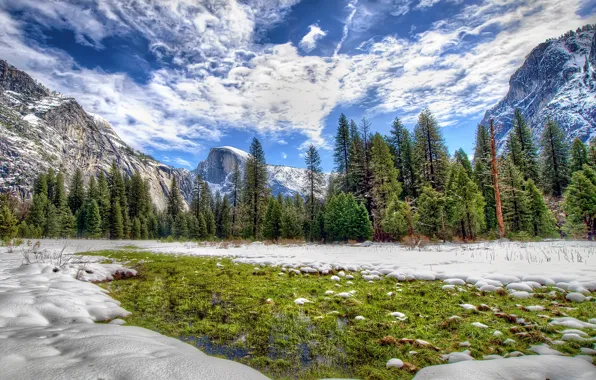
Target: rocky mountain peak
point(555, 82)
point(12, 79)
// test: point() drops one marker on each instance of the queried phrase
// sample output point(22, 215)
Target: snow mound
point(395, 363)
point(103, 351)
point(526, 367)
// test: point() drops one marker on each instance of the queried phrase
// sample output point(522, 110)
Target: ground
point(295, 312)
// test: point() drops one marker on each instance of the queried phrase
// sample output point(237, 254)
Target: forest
point(400, 187)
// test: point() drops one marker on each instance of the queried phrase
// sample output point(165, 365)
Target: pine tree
point(217, 213)
point(579, 155)
point(516, 207)
point(210, 223)
point(174, 200)
point(103, 201)
point(255, 188)
point(52, 226)
point(580, 203)
point(76, 195)
point(116, 223)
point(51, 180)
point(401, 146)
point(431, 217)
point(314, 188)
point(483, 176)
point(383, 181)
point(398, 220)
point(93, 222)
point(37, 212)
point(356, 174)
point(555, 156)
point(345, 219)
point(236, 181)
point(464, 203)
point(525, 152)
point(365, 132)
point(59, 194)
point(272, 227)
point(92, 190)
point(67, 222)
point(196, 205)
point(460, 157)
point(8, 223)
point(430, 152)
point(136, 228)
point(40, 186)
point(541, 218)
point(341, 152)
point(592, 153)
point(226, 222)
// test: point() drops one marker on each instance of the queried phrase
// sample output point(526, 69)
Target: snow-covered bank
point(47, 329)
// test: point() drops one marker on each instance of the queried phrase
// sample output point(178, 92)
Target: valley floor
point(302, 311)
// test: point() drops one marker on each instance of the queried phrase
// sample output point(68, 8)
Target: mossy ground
point(225, 312)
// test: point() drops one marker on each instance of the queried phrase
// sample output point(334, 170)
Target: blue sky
point(176, 77)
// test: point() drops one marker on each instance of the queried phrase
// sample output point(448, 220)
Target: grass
point(250, 316)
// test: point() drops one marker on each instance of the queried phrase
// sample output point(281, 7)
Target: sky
point(177, 77)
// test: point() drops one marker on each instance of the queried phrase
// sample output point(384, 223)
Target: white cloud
point(284, 155)
point(309, 41)
point(282, 142)
point(427, 3)
point(225, 81)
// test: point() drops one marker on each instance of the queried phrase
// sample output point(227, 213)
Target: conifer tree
point(255, 188)
point(592, 153)
point(67, 222)
point(555, 157)
point(464, 203)
point(174, 200)
point(76, 195)
point(272, 228)
point(398, 220)
point(52, 226)
point(92, 190)
point(483, 176)
point(37, 212)
point(116, 224)
point(521, 147)
point(314, 188)
point(136, 228)
point(460, 157)
point(383, 181)
point(579, 155)
point(356, 174)
point(541, 218)
point(196, 206)
point(341, 151)
point(210, 223)
point(59, 197)
point(580, 203)
point(226, 222)
point(93, 222)
point(40, 186)
point(516, 207)
point(235, 197)
point(430, 152)
point(292, 218)
point(51, 180)
point(431, 218)
point(8, 223)
point(345, 219)
point(104, 204)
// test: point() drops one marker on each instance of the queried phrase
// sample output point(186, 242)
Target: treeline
point(383, 187)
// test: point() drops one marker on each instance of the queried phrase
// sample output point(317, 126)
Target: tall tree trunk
point(498, 207)
point(555, 165)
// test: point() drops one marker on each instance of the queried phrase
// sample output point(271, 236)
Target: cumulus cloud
point(221, 80)
point(309, 41)
point(284, 155)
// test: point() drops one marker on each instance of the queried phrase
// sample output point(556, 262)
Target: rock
point(479, 325)
point(395, 363)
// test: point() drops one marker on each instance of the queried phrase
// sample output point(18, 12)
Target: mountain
point(220, 163)
point(557, 81)
point(40, 129)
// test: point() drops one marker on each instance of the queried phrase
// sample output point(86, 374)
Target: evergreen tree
point(516, 207)
point(400, 143)
point(92, 190)
point(136, 228)
point(67, 222)
point(235, 197)
point(521, 147)
point(430, 152)
point(356, 174)
point(431, 217)
point(51, 180)
point(8, 223)
point(76, 195)
point(37, 212)
point(314, 188)
point(384, 181)
point(52, 226)
point(104, 204)
point(483, 176)
point(592, 153)
point(345, 219)
point(59, 194)
point(579, 155)
point(464, 203)
point(226, 222)
point(341, 152)
point(174, 200)
point(555, 156)
point(217, 213)
point(93, 222)
point(398, 220)
point(255, 188)
point(291, 218)
point(272, 228)
point(541, 218)
point(40, 186)
point(210, 223)
point(116, 223)
point(580, 203)
point(460, 157)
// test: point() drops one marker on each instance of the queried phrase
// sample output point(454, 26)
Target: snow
point(238, 152)
point(576, 297)
point(479, 325)
point(47, 329)
point(395, 363)
point(572, 323)
point(526, 367)
point(301, 301)
point(544, 349)
point(399, 315)
point(456, 357)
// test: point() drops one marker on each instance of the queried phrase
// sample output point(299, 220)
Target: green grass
point(224, 311)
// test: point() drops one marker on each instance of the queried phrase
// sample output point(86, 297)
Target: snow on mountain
point(217, 170)
point(557, 81)
point(40, 129)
